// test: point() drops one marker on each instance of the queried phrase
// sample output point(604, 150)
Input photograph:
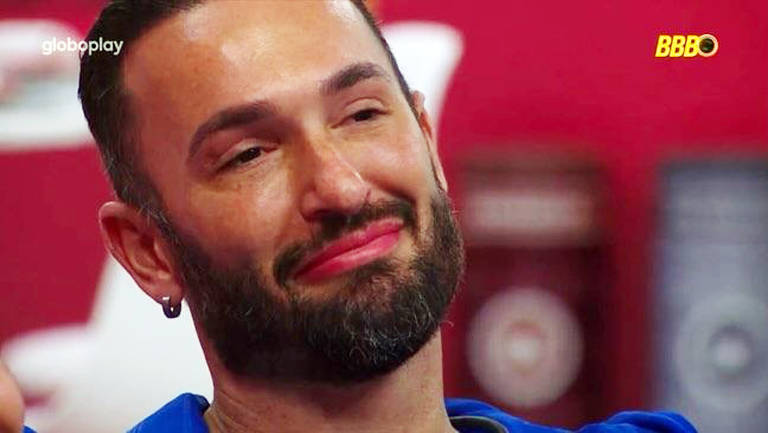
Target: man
point(273, 169)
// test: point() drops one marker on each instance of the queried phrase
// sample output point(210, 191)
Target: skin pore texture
point(262, 129)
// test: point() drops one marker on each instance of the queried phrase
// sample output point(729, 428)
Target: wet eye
point(245, 157)
point(364, 115)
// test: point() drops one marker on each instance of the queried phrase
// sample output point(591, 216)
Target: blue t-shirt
point(185, 415)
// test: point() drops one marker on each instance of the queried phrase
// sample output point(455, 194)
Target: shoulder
point(462, 407)
point(184, 414)
point(642, 422)
point(624, 422)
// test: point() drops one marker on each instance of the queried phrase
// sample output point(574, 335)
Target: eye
point(365, 115)
point(244, 157)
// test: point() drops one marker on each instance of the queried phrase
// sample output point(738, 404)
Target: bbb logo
point(686, 46)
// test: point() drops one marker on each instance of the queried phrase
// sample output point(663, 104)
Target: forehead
point(231, 51)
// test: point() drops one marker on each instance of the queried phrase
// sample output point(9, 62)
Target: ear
point(135, 242)
point(425, 122)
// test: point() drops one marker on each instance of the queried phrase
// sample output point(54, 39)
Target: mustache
point(334, 226)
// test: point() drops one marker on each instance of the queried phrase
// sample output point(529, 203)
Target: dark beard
point(386, 312)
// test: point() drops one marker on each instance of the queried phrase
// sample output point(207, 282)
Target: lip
point(351, 251)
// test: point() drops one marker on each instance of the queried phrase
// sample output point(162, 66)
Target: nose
point(333, 185)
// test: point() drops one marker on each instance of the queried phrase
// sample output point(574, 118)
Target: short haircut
point(107, 106)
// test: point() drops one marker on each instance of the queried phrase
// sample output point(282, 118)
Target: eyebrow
point(351, 75)
point(244, 114)
point(230, 118)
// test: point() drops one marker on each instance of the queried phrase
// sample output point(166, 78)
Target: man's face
point(305, 215)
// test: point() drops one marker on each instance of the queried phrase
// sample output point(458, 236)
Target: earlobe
point(134, 242)
point(425, 123)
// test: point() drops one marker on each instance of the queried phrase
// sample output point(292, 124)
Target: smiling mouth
point(351, 251)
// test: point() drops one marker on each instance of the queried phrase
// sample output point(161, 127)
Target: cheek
point(244, 221)
point(399, 162)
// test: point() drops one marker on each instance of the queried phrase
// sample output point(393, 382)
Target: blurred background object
point(531, 78)
point(126, 362)
point(711, 296)
point(534, 231)
point(38, 92)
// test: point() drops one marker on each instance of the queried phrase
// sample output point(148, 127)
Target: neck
point(408, 399)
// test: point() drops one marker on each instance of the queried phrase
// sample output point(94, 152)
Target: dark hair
point(107, 107)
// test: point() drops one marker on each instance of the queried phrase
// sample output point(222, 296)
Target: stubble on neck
point(408, 399)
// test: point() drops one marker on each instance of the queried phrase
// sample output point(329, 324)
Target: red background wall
point(581, 75)
point(551, 75)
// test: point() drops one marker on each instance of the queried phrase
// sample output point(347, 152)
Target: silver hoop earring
point(170, 311)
